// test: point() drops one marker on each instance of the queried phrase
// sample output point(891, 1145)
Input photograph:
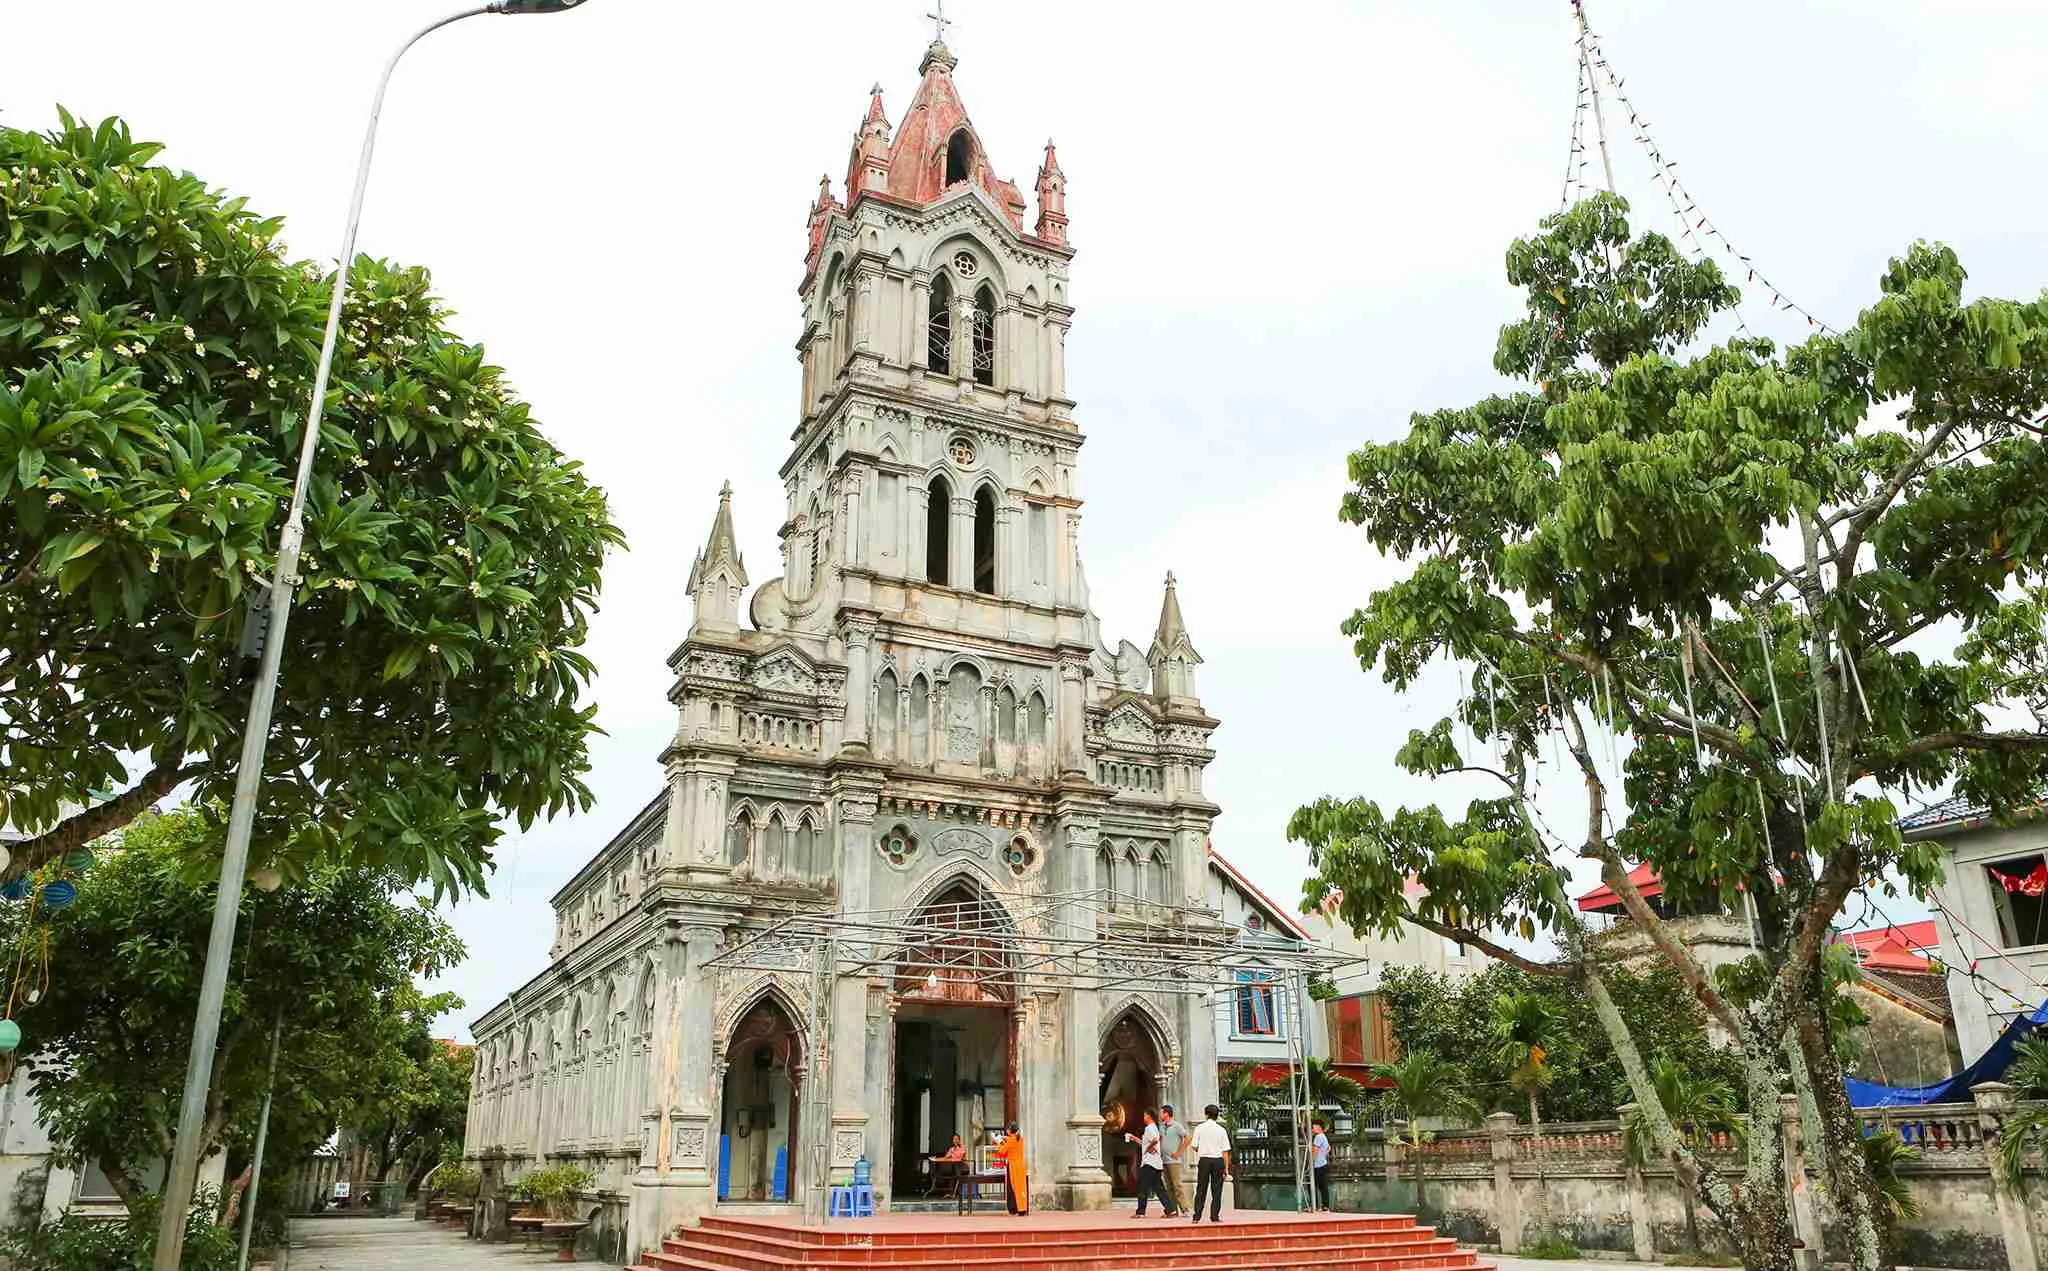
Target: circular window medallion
point(898, 846)
point(962, 451)
point(965, 265)
point(1020, 856)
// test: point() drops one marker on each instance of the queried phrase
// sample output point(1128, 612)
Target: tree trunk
point(1850, 1187)
point(231, 1204)
point(1415, 1146)
point(31, 854)
point(124, 1186)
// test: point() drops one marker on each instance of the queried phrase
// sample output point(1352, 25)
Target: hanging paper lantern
point(16, 889)
point(10, 1036)
point(79, 859)
point(60, 894)
point(267, 879)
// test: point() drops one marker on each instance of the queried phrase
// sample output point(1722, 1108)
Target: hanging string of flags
point(1696, 227)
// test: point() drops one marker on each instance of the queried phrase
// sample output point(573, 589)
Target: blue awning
point(1989, 1067)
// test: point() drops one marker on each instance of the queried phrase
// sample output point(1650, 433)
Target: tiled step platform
point(1246, 1240)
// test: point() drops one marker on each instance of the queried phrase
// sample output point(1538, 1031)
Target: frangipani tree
point(1805, 583)
point(157, 350)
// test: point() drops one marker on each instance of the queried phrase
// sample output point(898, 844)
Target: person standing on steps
point(1016, 1175)
point(1211, 1144)
point(1319, 1159)
point(1173, 1146)
point(1151, 1164)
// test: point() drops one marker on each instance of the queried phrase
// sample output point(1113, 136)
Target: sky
point(1290, 224)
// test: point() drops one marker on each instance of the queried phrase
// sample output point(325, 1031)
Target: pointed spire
point(1052, 198)
point(869, 167)
point(718, 575)
point(1172, 656)
point(1173, 629)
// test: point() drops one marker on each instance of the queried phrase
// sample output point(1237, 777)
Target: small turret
point(1172, 657)
point(1052, 203)
point(870, 167)
point(717, 576)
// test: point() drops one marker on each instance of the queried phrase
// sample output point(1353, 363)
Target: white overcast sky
point(1290, 222)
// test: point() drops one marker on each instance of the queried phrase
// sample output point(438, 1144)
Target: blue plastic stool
point(851, 1201)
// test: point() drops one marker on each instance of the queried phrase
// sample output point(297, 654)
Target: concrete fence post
point(1799, 1186)
point(1994, 1102)
point(1640, 1231)
point(1507, 1200)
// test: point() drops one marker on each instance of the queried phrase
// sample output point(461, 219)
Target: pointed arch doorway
point(954, 1042)
point(761, 1104)
point(1133, 1078)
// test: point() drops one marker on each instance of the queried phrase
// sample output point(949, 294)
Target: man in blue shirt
point(1319, 1158)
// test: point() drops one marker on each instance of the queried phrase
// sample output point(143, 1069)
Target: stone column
point(860, 688)
point(1994, 1103)
point(963, 338)
point(1799, 1185)
point(960, 573)
point(917, 318)
point(1640, 1230)
point(823, 373)
point(1507, 1198)
point(1072, 720)
point(917, 497)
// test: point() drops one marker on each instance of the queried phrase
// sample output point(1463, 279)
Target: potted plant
point(549, 1190)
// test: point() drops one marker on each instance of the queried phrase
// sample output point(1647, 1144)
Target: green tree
point(1700, 1109)
point(413, 1106)
point(156, 355)
point(1801, 581)
point(1244, 1099)
point(2027, 1125)
point(1428, 1011)
point(1425, 1086)
point(1328, 1088)
point(333, 957)
point(1523, 1026)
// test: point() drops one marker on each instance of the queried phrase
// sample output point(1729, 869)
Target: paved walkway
point(398, 1244)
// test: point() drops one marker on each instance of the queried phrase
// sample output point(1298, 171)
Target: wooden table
point(970, 1185)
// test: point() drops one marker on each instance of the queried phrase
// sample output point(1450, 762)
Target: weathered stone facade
point(920, 710)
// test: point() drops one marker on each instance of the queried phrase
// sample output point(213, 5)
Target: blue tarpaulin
point(1989, 1067)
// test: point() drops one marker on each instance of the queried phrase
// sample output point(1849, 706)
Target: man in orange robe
point(1017, 1176)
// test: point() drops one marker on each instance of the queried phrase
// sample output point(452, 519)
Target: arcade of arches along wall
point(919, 713)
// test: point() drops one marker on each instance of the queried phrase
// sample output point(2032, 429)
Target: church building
point(918, 716)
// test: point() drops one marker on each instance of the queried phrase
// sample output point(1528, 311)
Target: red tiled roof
point(1603, 900)
point(1895, 948)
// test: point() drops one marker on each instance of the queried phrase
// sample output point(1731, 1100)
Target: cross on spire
point(939, 21)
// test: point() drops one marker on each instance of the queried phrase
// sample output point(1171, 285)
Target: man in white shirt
point(1151, 1163)
point(1211, 1145)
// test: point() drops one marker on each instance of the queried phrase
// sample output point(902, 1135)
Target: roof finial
point(725, 496)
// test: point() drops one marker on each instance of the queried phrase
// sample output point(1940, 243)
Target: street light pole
point(182, 1176)
point(262, 1141)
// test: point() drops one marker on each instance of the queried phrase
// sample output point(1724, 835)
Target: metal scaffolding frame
point(973, 946)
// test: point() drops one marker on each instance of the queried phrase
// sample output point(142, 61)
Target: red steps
point(1339, 1242)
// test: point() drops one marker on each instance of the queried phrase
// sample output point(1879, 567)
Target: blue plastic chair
point(851, 1200)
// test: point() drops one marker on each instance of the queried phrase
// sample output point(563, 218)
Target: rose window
point(898, 846)
point(965, 265)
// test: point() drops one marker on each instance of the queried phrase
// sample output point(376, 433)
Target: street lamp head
point(533, 6)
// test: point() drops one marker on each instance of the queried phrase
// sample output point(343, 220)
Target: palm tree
point(2028, 1077)
point(1883, 1153)
point(1698, 1107)
point(1329, 1088)
point(1522, 1024)
point(1245, 1099)
point(1425, 1086)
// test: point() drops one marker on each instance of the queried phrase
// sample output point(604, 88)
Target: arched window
point(775, 848)
point(937, 531)
point(817, 526)
point(883, 727)
point(804, 858)
point(959, 157)
point(918, 746)
point(740, 843)
point(1105, 872)
point(985, 541)
point(1156, 877)
point(938, 328)
point(984, 333)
